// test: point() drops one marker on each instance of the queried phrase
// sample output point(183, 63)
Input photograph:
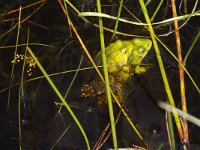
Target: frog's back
point(110, 49)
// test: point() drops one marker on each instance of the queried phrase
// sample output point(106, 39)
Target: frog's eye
point(147, 45)
point(124, 51)
point(142, 50)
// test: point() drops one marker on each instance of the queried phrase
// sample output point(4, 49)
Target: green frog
point(124, 59)
point(134, 64)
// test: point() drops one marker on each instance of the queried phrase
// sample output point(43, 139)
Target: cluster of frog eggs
point(28, 61)
point(87, 91)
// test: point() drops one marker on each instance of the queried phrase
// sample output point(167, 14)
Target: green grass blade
point(191, 47)
point(156, 11)
point(96, 14)
point(171, 130)
point(58, 140)
point(59, 96)
point(71, 83)
point(112, 121)
point(162, 69)
point(192, 80)
point(182, 114)
point(127, 117)
point(117, 21)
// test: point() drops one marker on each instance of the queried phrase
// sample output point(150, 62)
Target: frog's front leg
point(141, 69)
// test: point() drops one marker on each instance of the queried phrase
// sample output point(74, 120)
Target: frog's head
point(120, 53)
point(141, 47)
point(117, 54)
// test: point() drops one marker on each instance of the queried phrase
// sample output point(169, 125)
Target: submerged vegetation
point(101, 74)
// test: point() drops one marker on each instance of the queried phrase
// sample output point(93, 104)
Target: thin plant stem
point(15, 53)
point(156, 11)
point(57, 141)
point(72, 82)
point(100, 142)
point(20, 45)
point(160, 146)
point(21, 94)
point(181, 73)
point(185, 6)
point(74, 77)
point(96, 25)
point(127, 117)
point(50, 75)
point(21, 86)
point(191, 47)
point(196, 38)
point(96, 68)
point(117, 21)
point(22, 21)
point(16, 10)
point(80, 40)
point(189, 117)
point(60, 97)
point(19, 118)
point(171, 130)
point(110, 107)
point(192, 80)
point(68, 18)
point(103, 15)
point(162, 69)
